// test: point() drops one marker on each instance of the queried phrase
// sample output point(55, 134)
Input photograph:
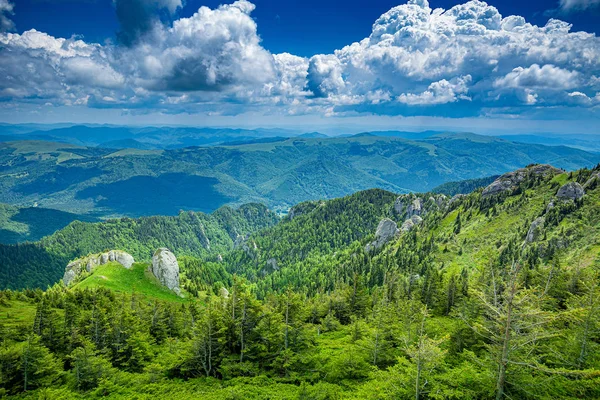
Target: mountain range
point(277, 171)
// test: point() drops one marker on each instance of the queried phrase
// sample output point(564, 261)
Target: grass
point(16, 313)
point(135, 280)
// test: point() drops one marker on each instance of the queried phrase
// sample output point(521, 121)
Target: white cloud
point(213, 62)
point(6, 9)
point(440, 92)
point(209, 51)
point(536, 77)
point(577, 5)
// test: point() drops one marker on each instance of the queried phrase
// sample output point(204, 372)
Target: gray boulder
point(166, 269)
point(410, 223)
point(386, 231)
point(90, 262)
point(415, 208)
point(455, 199)
point(512, 179)
point(535, 230)
point(570, 191)
point(399, 204)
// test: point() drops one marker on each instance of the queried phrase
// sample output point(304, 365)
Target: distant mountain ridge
point(279, 172)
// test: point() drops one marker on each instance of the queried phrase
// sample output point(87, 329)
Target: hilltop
point(42, 263)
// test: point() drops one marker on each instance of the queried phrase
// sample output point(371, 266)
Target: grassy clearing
point(135, 280)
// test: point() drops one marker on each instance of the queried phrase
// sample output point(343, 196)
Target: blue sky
point(423, 64)
point(303, 28)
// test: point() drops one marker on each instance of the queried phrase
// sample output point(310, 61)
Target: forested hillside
point(20, 224)
point(492, 295)
point(136, 182)
point(39, 264)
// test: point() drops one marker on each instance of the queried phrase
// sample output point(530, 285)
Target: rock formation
point(455, 199)
point(511, 180)
point(166, 269)
point(244, 243)
point(411, 223)
point(415, 208)
point(535, 230)
point(386, 230)
point(90, 262)
point(399, 205)
point(594, 178)
point(570, 191)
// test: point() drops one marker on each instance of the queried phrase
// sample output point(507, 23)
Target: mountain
point(165, 137)
point(279, 173)
point(20, 224)
point(369, 296)
point(42, 263)
point(588, 142)
point(127, 144)
point(463, 187)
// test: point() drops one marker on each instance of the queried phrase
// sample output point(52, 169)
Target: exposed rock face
point(595, 178)
point(570, 191)
point(400, 204)
point(535, 230)
point(166, 269)
point(224, 293)
point(511, 180)
point(414, 208)
point(410, 223)
point(244, 243)
point(90, 262)
point(272, 264)
point(441, 200)
point(456, 198)
point(386, 230)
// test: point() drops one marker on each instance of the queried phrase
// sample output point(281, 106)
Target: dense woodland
point(40, 264)
point(460, 307)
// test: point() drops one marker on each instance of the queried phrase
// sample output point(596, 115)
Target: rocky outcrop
point(166, 269)
point(244, 243)
point(570, 191)
point(415, 208)
point(410, 223)
point(386, 231)
point(594, 179)
point(455, 199)
point(535, 230)
point(440, 200)
point(511, 180)
point(411, 204)
point(90, 262)
point(224, 293)
point(400, 204)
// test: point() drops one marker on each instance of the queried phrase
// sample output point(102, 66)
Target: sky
point(412, 64)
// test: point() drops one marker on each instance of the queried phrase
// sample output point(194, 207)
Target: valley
point(102, 183)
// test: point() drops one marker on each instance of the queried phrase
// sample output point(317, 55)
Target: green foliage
point(437, 313)
point(43, 263)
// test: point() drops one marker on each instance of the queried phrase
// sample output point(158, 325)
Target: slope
point(42, 263)
point(279, 174)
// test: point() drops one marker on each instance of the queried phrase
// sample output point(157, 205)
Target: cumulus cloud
point(138, 17)
point(468, 59)
point(209, 51)
point(536, 77)
point(6, 10)
point(440, 92)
